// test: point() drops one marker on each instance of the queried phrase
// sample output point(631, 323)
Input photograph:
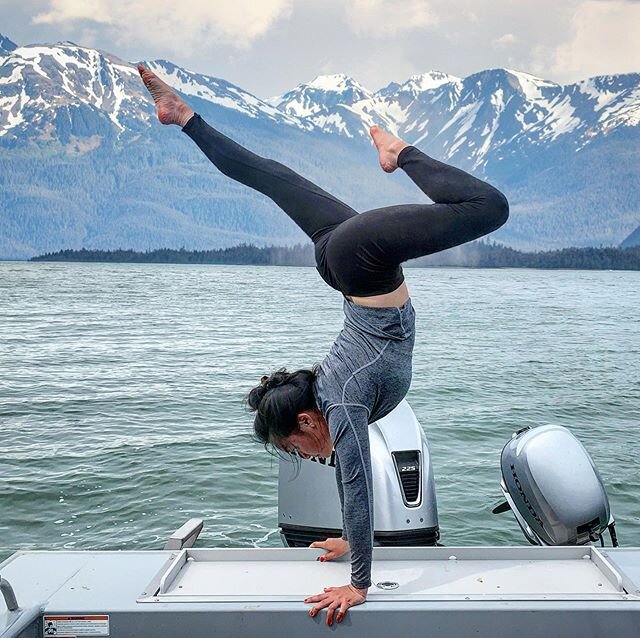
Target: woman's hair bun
point(267, 383)
point(255, 396)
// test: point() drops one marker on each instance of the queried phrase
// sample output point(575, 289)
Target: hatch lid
point(429, 573)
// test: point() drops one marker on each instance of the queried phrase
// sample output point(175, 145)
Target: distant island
point(479, 254)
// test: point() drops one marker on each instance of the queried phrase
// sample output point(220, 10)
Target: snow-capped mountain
point(325, 92)
point(47, 92)
point(328, 102)
point(65, 92)
point(71, 116)
point(613, 100)
point(339, 104)
point(222, 93)
point(488, 116)
point(56, 93)
point(400, 104)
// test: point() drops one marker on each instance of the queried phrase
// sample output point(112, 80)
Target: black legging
point(360, 254)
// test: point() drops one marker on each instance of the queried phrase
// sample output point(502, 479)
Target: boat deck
point(434, 591)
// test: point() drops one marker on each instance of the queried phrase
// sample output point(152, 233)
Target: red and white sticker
point(75, 626)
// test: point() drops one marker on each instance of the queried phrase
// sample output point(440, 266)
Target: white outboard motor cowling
point(405, 511)
point(553, 488)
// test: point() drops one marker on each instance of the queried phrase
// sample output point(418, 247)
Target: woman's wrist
point(360, 591)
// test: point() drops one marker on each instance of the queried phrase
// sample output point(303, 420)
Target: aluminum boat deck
point(440, 592)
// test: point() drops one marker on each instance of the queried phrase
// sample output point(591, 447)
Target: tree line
point(479, 254)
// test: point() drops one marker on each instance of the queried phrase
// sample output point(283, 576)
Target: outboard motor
point(405, 511)
point(553, 488)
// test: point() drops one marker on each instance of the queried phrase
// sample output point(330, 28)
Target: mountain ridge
point(566, 155)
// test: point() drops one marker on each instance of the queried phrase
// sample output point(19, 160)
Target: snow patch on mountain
point(562, 119)
point(601, 97)
point(337, 83)
point(16, 75)
point(531, 86)
point(615, 98)
point(32, 56)
point(625, 112)
point(465, 116)
point(333, 122)
point(7, 104)
point(428, 81)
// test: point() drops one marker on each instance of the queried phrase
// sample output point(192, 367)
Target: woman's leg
point(314, 210)
point(311, 208)
point(364, 254)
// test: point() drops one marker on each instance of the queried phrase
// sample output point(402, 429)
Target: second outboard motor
point(553, 488)
point(405, 511)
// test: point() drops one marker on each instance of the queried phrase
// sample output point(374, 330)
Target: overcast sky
point(270, 46)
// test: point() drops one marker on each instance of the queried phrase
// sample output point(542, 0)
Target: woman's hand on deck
point(337, 600)
point(335, 547)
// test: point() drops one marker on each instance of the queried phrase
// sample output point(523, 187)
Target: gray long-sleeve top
point(365, 375)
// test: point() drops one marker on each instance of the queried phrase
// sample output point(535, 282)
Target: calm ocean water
point(121, 393)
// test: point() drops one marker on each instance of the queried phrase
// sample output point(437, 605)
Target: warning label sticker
point(75, 626)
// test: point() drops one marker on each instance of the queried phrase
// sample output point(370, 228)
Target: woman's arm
point(348, 426)
point(345, 536)
point(349, 429)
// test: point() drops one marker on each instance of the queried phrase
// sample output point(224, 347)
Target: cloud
point(384, 18)
point(268, 46)
point(504, 41)
point(64, 10)
point(190, 24)
point(603, 40)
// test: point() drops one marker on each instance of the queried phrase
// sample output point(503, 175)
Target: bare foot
point(171, 108)
point(389, 147)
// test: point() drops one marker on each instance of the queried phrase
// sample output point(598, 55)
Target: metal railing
point(8, 594)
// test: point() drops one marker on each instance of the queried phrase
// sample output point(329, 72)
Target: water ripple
point(121, 393)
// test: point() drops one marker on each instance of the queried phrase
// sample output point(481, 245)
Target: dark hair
point(277, 402)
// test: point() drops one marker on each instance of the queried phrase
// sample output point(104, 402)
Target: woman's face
point(311, 439)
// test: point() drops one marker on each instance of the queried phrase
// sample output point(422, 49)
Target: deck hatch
point(278, 575)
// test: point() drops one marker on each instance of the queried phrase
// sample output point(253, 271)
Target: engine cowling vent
point(408, 468)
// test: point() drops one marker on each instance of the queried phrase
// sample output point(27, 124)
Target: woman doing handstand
point(368, 369)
